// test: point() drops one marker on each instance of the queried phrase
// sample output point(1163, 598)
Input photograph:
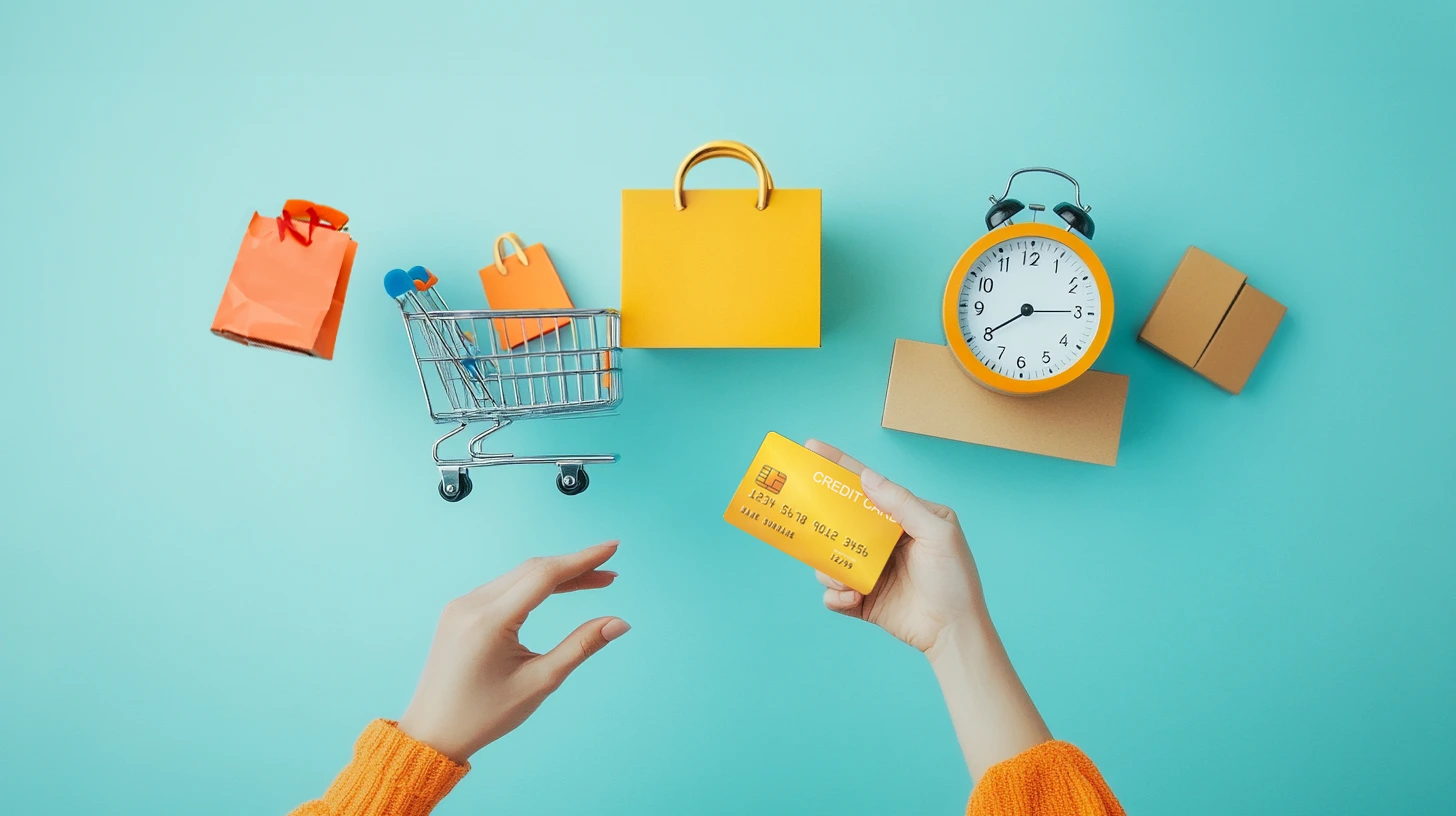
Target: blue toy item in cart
point(468, 376)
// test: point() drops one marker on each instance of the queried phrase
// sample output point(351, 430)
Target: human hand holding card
point(814, 510)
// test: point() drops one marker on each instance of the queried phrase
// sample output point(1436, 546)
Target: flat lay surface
point(219, 564)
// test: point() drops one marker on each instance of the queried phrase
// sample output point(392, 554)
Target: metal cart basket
point(470, 374)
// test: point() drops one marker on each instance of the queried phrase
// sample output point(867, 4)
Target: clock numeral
point(980, 307)
point(1035, 256)
point(1046, 357)
point(987, 335)
point(1021, 362)
point(1077, 312)
point(1003, 352)
point(1056, 263)
point(1063, 341)
point(1003, 264)
point(986, 284)
point(1073, 290)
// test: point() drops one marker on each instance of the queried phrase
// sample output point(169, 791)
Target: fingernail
point(609, 543)
point(847, 596)
point(871, 479)
point(615, 628)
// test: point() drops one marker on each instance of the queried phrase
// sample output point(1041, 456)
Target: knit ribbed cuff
point(1053, 777)
point(392, 775)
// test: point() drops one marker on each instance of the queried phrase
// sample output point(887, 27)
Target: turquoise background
point(219, 563)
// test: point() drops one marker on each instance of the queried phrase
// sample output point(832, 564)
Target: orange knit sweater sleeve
point(395, 775)
point(1052, 779)
point(391, 775)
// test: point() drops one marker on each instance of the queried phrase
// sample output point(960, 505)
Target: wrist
point(965, 643)
point(419, 731)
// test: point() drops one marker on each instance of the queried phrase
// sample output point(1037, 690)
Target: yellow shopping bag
point(720, 268)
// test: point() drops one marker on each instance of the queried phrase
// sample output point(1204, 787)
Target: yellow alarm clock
point(1028, 307)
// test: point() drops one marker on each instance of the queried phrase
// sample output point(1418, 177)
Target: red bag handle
point(335, 218)
point(318, 216)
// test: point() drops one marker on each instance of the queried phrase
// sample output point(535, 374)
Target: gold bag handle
point(723, 149)
point(500, 265)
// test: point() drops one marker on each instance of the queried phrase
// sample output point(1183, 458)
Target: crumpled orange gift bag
point(287, 287)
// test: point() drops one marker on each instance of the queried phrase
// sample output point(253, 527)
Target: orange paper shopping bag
point(286, 290)
point(721, 268)
point(525, 279)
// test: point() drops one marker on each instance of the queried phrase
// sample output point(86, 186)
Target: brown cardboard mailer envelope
point(929, 394)
point(1192, 305)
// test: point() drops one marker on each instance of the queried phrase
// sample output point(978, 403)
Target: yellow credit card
point(814, 510)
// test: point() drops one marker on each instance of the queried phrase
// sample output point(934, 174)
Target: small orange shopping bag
point(525, 279)
point(287, 287)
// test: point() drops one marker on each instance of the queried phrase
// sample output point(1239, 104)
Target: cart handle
point(723, 149)
point(398, 282)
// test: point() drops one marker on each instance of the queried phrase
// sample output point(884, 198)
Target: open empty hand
point(479, 681)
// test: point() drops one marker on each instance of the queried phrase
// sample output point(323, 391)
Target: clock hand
point(1026, 310)
point(998, 328)
point(1053, 311)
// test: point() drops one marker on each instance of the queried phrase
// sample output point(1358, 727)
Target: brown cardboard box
point(1210, 319)
point(929, 394)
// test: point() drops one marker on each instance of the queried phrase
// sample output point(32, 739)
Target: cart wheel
point(464, 489)
point(572, 480)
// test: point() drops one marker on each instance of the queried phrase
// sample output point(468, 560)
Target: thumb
point(901, 504)
point(587, 640)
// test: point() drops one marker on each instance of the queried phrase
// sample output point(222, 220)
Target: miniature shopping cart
point(470, 373)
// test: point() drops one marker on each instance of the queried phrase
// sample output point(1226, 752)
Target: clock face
point(1029, 308)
